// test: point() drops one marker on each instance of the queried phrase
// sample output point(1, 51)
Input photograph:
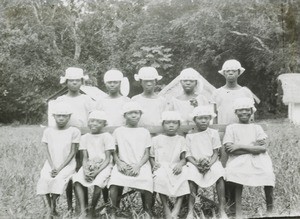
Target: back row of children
point(172, 176)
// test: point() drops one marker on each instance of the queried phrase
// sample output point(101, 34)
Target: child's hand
point(229, 148)
point(123, 167)
point(135, 170)
point(203, 165)
point(260, 142)
point(194, 102)
point(155, 167)
point(177, 169)
point(54, 173)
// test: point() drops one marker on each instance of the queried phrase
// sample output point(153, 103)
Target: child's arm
point(214, 157)
point(178, 168)
point(69, 158)
point(154, 164)
point(236, 149)
point(45, 145)
point(122, 166)
point(192, 160)
point(135, 170)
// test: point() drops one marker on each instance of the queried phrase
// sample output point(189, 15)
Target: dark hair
point(163, 122)
point(82, 80)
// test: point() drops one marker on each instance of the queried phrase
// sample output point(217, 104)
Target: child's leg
point(238, 200)
point(80, 195)
point(192, 197)
point(105, 195)
point(220, 186)
point(48, 198)
point(177, 206)
point(269, 198)
point(164, 200)
point(120, 191)
point(69, 194)
point(114, 196)
point(53, 204)
point(230, 196)
point(147, 201)
point(95, 199)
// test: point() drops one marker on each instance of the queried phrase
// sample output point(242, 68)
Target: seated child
point(97, 148)
point(60, 143)
point(152, 105)
point(205, 169)
point(167, 157)
point(132, 168)
point(249, 163)
point(189, 99)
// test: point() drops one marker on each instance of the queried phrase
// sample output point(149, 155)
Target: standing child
point(118, 88)
point(132, 168)
point(97, 148)
point(225, 96)
point(202, 154)
point(167, 157)
point(152, 105)
point(60, 144)
point(189, 99)
point(249, 163)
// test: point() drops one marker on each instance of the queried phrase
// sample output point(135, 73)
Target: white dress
point(224, 100)
point(132, 143)
point(152, 109)
point(248, 169)
point(113, 109)
point(59, 145)
point(185, 108)
point(201, 145)
point(167, 150)
point(96, 145)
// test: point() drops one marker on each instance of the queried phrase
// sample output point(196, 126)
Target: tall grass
point(21, 159)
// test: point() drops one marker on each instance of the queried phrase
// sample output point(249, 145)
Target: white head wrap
point(116, 75)
point(147, 73)
point(231, 64)
point(191, 74)
point(131, 106)
point(170, 115)
point(244, 103)
point(96, 114)
point(203, 111)
point(61, 108)
point(73, 73)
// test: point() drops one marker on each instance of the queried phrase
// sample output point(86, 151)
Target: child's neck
point(73, 93)
point(201, 130)
point(149, 94)
point(61, 127)
point(114, 95)
point(131, 125)
point(232, 85)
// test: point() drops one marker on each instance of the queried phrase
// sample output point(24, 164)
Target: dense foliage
point(39, 39)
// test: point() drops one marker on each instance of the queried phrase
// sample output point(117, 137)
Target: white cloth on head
point(166, 151)
point(147, 73)
point(116, 75)
point(132, 143)
point(192, 74)
point(201, 145)
point(248, 169)
point(97, 114)
point(73, 73)
point(96, 145)
point(231, 64)
point(59, 143)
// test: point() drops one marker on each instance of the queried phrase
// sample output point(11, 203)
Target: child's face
point(244, 115)
point(171, 126)
point(132, 117)
point(202, 122)
point(148, 85)
point(74, 84)
point(188, 85)
point(113, 86)
point(61, 119)
point(96, 125)
point(231, 75)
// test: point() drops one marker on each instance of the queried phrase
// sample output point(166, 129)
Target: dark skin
point(189, 91)
point(148, 88)
point(113, 88)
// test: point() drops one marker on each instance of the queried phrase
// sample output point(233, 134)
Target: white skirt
point(209, 178)
point(101, 179)
point(165, 182)
point(250, 170)
point(143, 181)
point(56, 185)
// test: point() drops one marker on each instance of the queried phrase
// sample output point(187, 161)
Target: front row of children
point(169, 164)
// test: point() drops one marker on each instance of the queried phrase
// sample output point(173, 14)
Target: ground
point(22, 157)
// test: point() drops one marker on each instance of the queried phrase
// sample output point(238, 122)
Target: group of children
point(168, 164)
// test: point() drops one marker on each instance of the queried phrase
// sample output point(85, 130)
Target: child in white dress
point(249, 163)
point(189, 99)
point(60, 144)
point(205, 169)
point(132, 168)
point(167, 157)
point(225, 96)
point(152, 105)
point(97, 148)
point(118, 88)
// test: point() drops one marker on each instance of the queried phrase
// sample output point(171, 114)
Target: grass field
point(21, 159)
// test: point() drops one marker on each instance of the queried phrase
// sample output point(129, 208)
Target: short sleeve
point(202, 100)
point(148, 141)
point(182, 144)
point(109, 142)
point(76, 135)
point(248, 92)
point(82, 145)
point(216, 142)
point(45, 136)
point(90, 104)
point(260, 133)
point(115, 136)
point(229, 136)
point(188, 146)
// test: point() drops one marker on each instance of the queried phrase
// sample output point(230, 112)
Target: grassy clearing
point(21, 159)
